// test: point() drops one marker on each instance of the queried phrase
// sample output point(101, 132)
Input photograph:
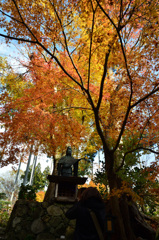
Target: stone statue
point(66, 163)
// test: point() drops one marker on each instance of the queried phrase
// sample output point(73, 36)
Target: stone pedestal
point(66, 187)
point(39, 221)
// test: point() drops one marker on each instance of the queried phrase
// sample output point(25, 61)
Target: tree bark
point(129, 223)
point(49, 195)
point(126, 218)
point(119, 223)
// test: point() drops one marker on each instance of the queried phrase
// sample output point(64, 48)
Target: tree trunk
point(129, 223)
point(119, 223)
point(28, 165)
point(126, 218)
point(49, 195)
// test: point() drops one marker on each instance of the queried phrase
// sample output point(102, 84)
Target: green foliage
point(100, 179)
point(2, 196)
point(40, 178)
point(27, 192)
point(103, 191)
point(143, 183)
point(132, 158)
point(5, 210)
point(84, 168)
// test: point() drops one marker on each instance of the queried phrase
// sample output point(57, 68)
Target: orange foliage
point(40, 196)
point(38, 117)
point(101, 54)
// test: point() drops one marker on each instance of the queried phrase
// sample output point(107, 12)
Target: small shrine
point(66, 188)
point(67, 180)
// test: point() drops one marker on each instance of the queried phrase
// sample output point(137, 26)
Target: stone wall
point(39, 221)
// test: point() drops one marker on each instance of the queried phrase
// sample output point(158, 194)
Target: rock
point(18, 228)
point(21, 210)
point(69, 233)
point(35, 211)
point(45, 204)
point(25, 235)
point(45, 236)
point(38, 226)
point(60, 229)
point(38, 221)
point(52, 230)
point(16, 220)
point(46, 218)
point(54, 210)
point(26, 225)
point(21, 202)
point(55, 221)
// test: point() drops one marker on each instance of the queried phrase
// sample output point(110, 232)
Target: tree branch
point(90, 48)
point(42, 46)
point(103, 79)
point(118, 29)
point(10, 17)
point(18, 39)
point(133, 150)
point(145, 97)
point(66, 43)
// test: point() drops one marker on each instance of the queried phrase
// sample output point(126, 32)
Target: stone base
point(39, 221)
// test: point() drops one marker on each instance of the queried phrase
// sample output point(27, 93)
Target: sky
point(14, 54)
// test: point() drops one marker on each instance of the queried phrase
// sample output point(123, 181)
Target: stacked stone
point(39, 221)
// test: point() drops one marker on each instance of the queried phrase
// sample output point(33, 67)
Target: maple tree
point(38, 99)
point(106, 51)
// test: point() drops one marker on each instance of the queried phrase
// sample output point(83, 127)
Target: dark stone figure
point(66, 163)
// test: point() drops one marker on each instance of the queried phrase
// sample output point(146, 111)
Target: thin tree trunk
point(33, 170)
point(16, 179)
point(17, 175)
point(49, 195)
point(27, 168)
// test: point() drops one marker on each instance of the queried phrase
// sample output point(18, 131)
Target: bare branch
point(23, 22)
point(121, 12)
point(66, 43)
point(91, 41)
point(145, 97)
point(41, 45)
point(7, 15)
point(118, 29)
point(134, 150)
point(18, 39)
point(103, 78)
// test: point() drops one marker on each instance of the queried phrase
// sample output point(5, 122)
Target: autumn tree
point(107, 51)
point(12, 86)
point(36, 117)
